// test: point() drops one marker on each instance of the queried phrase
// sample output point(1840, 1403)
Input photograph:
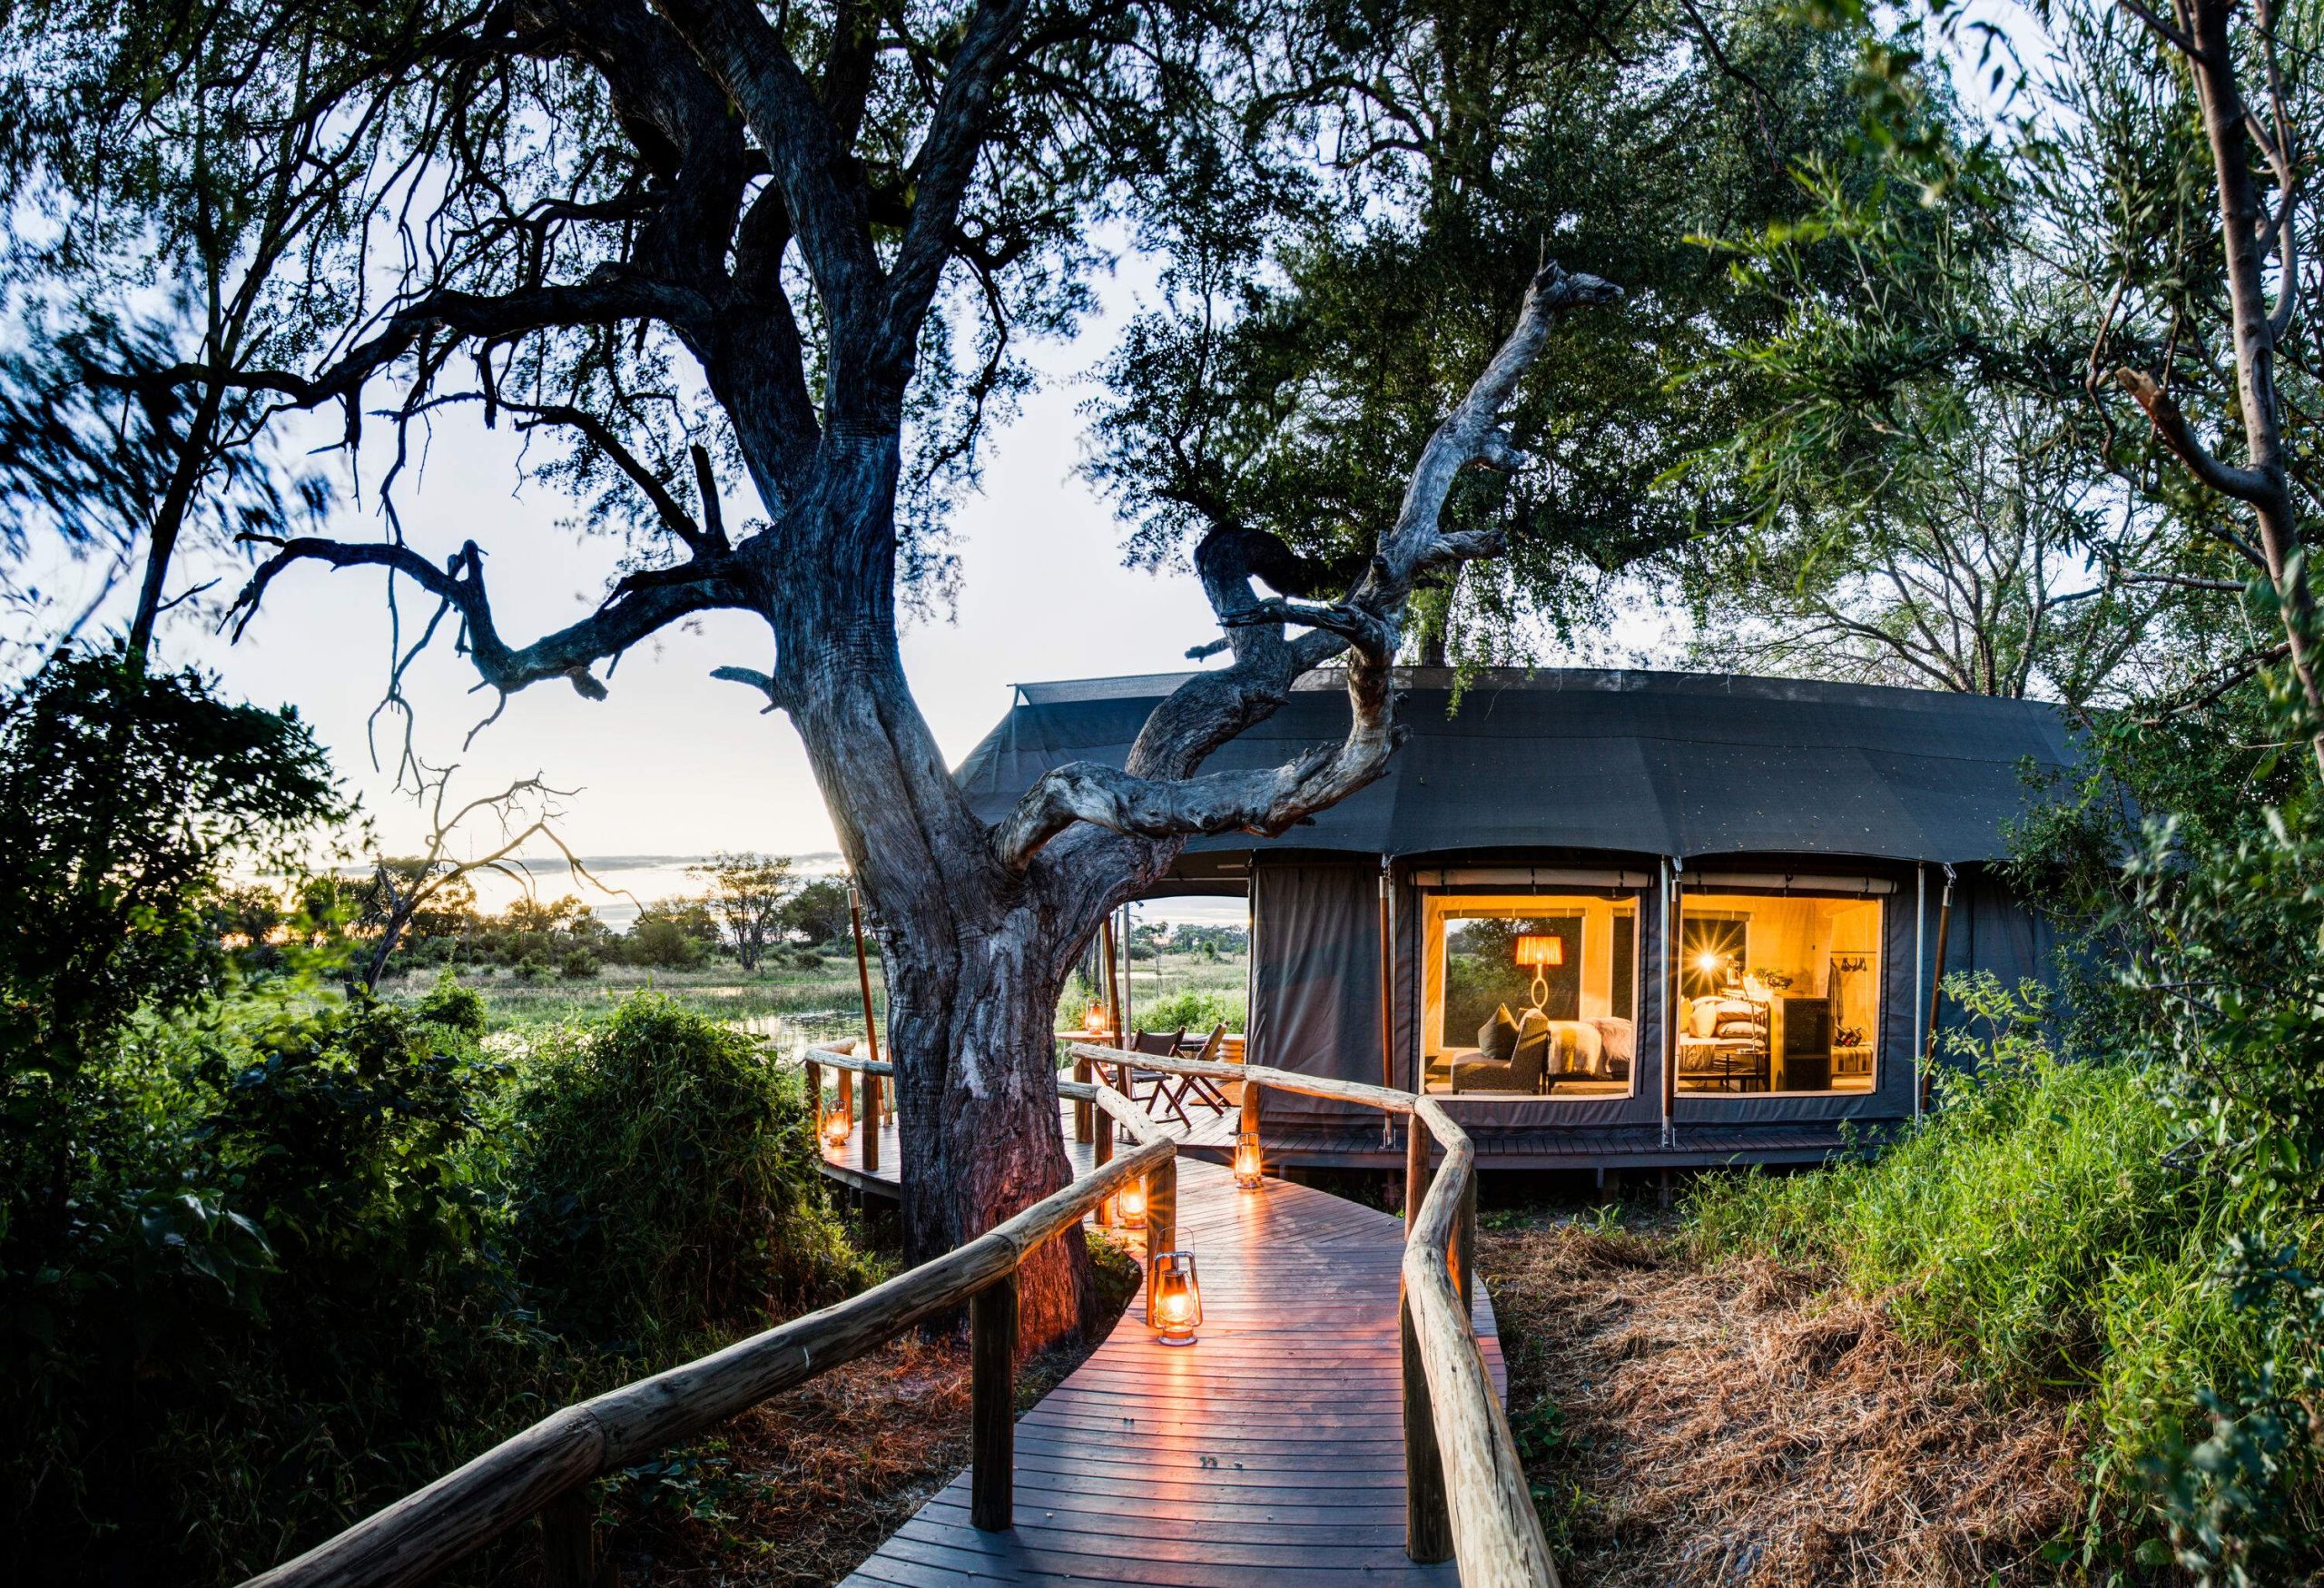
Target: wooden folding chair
point(1200, 1089)
point(1154, 1099)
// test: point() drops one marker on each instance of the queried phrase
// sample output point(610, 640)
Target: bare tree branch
point(1367, 624)
point(628, 616)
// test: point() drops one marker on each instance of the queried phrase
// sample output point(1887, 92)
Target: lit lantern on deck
point(1541, 951)
point(835, 1128)
point(1250, 1162)
point(1173, 1298)
point(1094, 1022)
point(1130, 1205)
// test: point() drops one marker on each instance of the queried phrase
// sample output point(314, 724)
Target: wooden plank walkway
point(1271, 1448)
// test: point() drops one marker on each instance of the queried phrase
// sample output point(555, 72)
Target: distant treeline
point(753, 912)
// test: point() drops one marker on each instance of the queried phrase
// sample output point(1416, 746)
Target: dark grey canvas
point(1316, 979)
point(1646, 763)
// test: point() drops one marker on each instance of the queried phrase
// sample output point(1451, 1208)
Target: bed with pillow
point(1723, 1039)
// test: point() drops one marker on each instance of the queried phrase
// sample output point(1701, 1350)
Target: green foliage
point(452, 1006)
point(664, 939)
point(1192, 1009)
point(667, 1171)
point(1311, 339)
point(818, 912)
point(122, 797)
point(747, 893)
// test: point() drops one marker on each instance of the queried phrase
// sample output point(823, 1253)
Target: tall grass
point(2035, 1228)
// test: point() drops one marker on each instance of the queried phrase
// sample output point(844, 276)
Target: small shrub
point(667, 1179)
point(531, 967)
point(579, 965)
point(452, 1006)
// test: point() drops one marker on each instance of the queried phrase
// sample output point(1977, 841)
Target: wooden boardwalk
point(1270, 1450)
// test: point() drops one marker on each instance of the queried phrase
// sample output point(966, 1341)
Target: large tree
point(701, 232)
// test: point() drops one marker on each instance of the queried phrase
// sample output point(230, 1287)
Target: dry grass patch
point(1743, 1423)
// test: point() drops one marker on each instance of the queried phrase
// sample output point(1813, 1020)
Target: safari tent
point(1609, 917)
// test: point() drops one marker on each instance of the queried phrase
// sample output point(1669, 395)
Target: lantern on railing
point(1130, 1205)
point(1250, 1162)
point(835, 1128)
point(1541, 951)
point(1173, 1298)
point(1094, 1022)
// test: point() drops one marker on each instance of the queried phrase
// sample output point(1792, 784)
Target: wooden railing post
point(847, 1096)
point(871, 1124)
point(1417, 1172)
point(1428, 1519)
point(992, 1405)
point(1084, 1111)
point(1161, 1212)
point(569, 1540)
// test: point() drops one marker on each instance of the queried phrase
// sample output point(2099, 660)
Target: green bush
point(1195, 1011)
point(278, 1304)
point(578, 966)
point(452, 1006)
point(665, 943)
point(667, 1179)
point(2035, 1227)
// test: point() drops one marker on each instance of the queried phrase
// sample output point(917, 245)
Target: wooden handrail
point(832, 1058)
point(1497, 1539)
point(429, 1530)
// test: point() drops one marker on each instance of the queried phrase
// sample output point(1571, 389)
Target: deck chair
point(1200, 1090)
point(1154, 1097)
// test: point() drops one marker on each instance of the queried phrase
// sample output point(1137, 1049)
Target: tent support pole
point(1387, 996)
point(1920, 966)
point(863, 982)
point(1122, 1006)
point(1113, 985)
point(1936, 989)
point(1671, 920)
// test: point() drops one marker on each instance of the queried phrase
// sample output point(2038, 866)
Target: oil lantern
point(1174, 1299)
point(1250, 1162)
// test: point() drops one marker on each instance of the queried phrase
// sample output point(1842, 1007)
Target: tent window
point(1779, 994)
point(1566, 970)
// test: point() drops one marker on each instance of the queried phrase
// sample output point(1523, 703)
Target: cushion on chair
point(1497, 1038)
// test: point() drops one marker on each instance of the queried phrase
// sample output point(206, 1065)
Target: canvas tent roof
point(1650, 762)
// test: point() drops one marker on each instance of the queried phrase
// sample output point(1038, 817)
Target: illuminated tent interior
point(1623, 917)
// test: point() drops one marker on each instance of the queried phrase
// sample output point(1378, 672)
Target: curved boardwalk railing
point(1467, 1494)
point(1461, 1462)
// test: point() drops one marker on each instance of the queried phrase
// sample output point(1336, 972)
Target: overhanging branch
point(629, 615)
point(1367, 625)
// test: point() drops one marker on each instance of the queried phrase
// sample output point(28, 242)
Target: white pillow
point(1589, 1049)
